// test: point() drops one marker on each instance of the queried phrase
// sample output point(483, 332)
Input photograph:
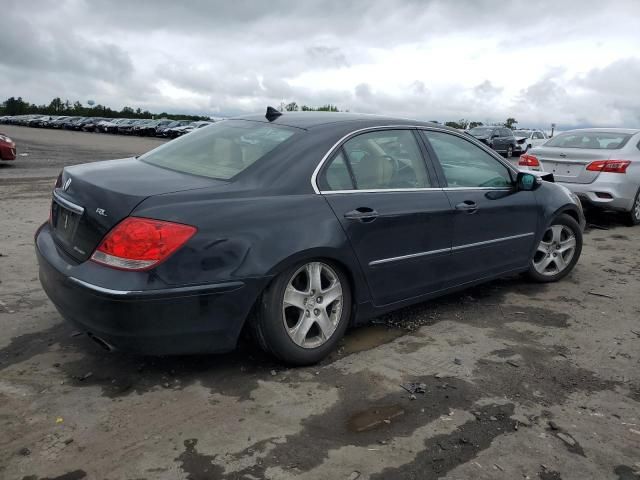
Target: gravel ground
point(514, 380)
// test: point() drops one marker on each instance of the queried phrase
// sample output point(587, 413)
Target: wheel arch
point(350, 267)
point(570, 210)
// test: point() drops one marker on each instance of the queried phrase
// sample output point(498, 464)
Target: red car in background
point(7, 148)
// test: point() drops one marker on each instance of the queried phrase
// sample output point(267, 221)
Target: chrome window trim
point(67, 204)
point(396, 190)
point(452, 249)
point(382, 190)
point(338, 144)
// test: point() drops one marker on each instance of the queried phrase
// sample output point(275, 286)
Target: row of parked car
point(163, 127)
point(509, 142)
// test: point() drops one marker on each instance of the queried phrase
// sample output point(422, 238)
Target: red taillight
point(610, 166)
point(141, 243)
point(527, 160)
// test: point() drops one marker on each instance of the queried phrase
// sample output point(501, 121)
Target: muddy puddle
point(368, 337)
point(373, 417)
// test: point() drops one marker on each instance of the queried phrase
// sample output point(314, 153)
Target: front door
point(394, 214)
point(493, 224)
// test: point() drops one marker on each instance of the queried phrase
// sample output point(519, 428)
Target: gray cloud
point(487, 89)
point(400, 57)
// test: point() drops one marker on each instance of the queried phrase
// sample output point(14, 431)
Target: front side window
point(590, 140)
point(467, 165)
point(380, 160)
point(221, 150)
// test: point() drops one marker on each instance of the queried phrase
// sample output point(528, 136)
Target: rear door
point(493, 224)
point(396, 217)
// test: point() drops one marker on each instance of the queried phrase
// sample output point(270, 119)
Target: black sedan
point(295, 226)
point(501, 139)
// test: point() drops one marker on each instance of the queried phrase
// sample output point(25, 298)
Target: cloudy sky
point(572, 62)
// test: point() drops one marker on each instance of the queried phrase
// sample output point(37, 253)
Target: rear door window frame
point(433, 177)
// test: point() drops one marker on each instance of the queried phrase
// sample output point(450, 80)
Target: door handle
point(467, 206)
point(362, 214)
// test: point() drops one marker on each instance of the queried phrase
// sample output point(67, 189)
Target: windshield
point(221, 150)
point(480, 130)
point(590, 140)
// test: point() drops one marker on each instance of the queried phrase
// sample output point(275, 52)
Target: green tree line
point(464, 124)
point(18, 106)
point(293, 107)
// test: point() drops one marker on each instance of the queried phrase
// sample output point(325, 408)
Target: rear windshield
point(221, 150)
point(590, 140)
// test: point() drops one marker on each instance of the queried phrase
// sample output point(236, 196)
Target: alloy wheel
point(636, 207)
point(509, 151)
point(312, 304)
point(555, 250)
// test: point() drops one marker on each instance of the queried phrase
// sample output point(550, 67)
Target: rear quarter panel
point(251, 237)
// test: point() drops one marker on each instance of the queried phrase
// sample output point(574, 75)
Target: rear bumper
point(609, 190)
point(172, 320)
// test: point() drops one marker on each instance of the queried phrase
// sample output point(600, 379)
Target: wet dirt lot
point(511, 379)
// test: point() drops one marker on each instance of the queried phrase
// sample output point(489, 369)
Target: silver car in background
point(600, 165)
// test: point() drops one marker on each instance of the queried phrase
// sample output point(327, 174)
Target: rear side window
point(337, 175)
point(380, 160)
point(467, 165)
point(590, 140)
point(221, 150)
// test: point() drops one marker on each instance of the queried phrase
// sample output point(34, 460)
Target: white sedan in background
point(526, 139)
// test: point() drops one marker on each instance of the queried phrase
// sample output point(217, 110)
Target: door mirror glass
point(527, 181)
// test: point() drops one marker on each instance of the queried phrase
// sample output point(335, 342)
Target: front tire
point(558, 251)
point(633, 216)
point(304, 313)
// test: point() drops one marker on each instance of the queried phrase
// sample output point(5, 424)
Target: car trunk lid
point(91, 199)
point(569, 165)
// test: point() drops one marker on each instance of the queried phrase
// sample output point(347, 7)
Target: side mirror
point(527, 181)
point(494, 136)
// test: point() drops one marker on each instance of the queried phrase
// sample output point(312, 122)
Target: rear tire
point(633, 216)
point(304, 313)
point(558, 251)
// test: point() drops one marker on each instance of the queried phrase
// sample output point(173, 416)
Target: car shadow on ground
point(237, 373)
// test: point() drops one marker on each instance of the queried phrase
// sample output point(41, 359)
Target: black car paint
point(267, 219)
point(500, 138)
